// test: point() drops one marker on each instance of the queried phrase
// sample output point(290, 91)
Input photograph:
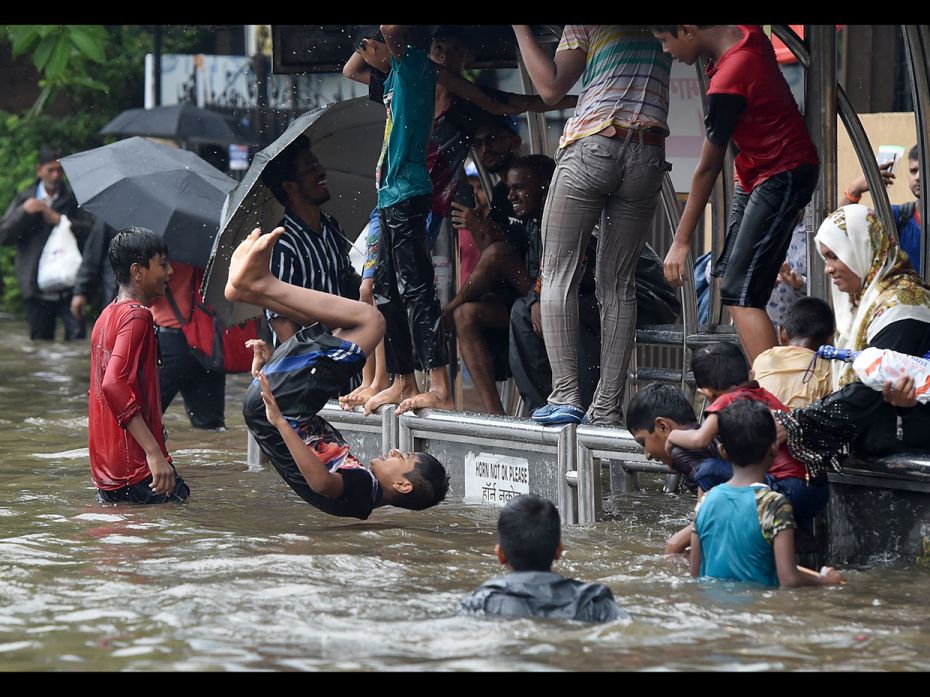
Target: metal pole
point(719, 203)
point(820, 106)
point(536, 121)
point(917, 48)
point(157, 61)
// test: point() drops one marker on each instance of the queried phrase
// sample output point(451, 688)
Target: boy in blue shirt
point(744, 531)
point(403, 281)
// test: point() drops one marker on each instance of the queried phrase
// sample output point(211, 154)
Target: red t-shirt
point(784, 465)
point(770, 132)
point(123, 383)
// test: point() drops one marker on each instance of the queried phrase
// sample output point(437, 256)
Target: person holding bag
point(197, 373)
point(28, 223)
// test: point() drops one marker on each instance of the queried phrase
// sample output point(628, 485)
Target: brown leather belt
point(649, 136)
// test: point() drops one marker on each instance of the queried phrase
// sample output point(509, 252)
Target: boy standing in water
point(744, 531)
point(748, 102)
point(124, 386)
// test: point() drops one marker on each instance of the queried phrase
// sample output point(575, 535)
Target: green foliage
point(61, 53)
point(100, 71)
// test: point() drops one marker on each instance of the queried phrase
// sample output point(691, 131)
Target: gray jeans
point(617, 183)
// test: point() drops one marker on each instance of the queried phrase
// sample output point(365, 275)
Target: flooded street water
point(248, 576)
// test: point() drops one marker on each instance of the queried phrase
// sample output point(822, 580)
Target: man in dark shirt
point(481, 308)
point(529, 540)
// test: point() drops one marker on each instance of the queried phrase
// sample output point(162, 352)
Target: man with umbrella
point(28, 222)
point(313, 252)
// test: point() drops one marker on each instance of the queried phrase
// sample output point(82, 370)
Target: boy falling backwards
point(293, 384)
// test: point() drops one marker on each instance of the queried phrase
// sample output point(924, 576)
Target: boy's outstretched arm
point(356, 69)
point(679, 542)
point(468, 90)
point(790, 575)
point(534, 103)
point(552, 77)
point(694, 439)
point(320, 479)
point(395, 36)
point(702, 184)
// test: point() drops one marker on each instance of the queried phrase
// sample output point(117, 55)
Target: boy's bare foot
point(249, 265)
point(360, 395)
point(431, 399)
point(403, 388)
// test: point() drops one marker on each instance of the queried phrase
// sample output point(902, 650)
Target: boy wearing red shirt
point(721, 374)
point(124, 391)
point(748, 102)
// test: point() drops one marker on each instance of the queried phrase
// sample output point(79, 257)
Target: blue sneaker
point(552, 414)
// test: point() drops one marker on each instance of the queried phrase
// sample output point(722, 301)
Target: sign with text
point(495, 479)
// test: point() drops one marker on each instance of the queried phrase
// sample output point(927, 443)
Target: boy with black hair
point(721, 374)
point(529, 537)
point(653, 413)
point(748, 102)
point(124, 387)
point(293, 384)
point(403, 281)
point(744, 531)
point(792, 372)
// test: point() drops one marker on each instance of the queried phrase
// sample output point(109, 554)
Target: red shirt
point(770, 132)
point(181, 285)
point(123, 383)
point(784, 465)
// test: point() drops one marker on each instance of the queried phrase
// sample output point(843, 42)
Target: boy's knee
point(466, 316)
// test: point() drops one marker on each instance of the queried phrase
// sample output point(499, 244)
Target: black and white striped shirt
point(320, 262)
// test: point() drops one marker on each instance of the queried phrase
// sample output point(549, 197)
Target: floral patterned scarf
point(891, 290)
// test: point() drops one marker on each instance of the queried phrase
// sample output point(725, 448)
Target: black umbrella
point(181, 122)
point(173, 192)
point(346, 137)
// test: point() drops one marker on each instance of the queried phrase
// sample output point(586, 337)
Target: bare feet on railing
point(403, 388)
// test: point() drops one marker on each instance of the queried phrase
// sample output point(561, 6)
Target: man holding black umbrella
point(313, 252)
point(28, 222)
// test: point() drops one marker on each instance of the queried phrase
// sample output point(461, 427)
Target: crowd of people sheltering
point(556, 275)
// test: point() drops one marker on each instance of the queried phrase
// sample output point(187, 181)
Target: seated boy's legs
point(472, 322)
point(140, 492)
point(758, 236)
point(500, 270)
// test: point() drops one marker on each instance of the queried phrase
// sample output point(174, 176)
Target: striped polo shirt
point(320, 262)
point(625, 80)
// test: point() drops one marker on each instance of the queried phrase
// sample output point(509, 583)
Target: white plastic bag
point(60, 260)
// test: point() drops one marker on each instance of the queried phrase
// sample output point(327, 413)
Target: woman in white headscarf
point(879, 301)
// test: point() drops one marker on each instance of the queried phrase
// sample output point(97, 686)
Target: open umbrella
point(346, 137)
point(181, 122)
point(170, 191)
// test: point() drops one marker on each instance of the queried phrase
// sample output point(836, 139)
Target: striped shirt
point(320, 262)
point(625, 80)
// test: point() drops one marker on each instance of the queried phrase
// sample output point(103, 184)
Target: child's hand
point(788, 276)
point(675, 267)
point(261, 352)
point(272, 412)
point(901, 393)
point(162, 474)
point(832, 576)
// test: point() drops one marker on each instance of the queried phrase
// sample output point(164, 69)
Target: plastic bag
point(60, 260)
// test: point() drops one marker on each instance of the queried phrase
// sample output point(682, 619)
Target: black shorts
point(758, 234)
point(304, 373)
point(141, 493)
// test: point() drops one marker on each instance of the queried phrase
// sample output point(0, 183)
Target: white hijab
point(890, 292)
